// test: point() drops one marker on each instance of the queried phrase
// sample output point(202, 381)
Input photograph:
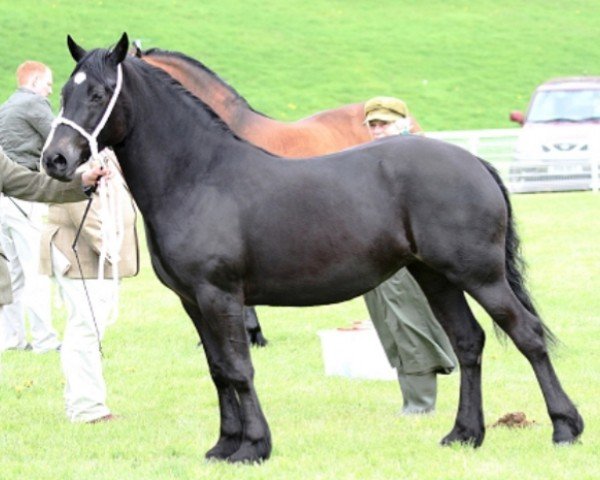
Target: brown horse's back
point(324, 132)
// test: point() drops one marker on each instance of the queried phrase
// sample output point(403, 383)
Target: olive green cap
point(386, 109)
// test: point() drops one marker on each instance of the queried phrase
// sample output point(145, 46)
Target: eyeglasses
point(378, 123)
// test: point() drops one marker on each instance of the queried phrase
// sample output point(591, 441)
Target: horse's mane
point(159, 74)
point(181, 56)
point(150, 71)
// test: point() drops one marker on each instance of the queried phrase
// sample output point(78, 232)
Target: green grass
point(460, 65)
point(323, 427)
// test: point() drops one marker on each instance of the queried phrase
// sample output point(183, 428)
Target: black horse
point(229, 225)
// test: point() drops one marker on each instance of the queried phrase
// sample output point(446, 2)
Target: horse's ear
point(76, 51)
point(119, 52)
point(137, 48)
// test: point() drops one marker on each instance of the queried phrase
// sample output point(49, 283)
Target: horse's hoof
point(257, 339)
point(248, 452)
point(462, 436)
point(224, 448)
point(567, 430)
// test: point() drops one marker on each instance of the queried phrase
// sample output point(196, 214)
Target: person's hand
point(90, 178)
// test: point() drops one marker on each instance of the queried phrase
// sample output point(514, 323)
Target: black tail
point(515, 265)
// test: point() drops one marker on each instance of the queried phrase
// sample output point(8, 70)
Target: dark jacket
point(19, 182)
point(25, 122)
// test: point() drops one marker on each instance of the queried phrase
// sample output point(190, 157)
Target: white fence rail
point(498, 146)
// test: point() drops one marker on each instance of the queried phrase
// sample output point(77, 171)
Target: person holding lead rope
point(105, 251)
point(20, 182)
point(110, 249)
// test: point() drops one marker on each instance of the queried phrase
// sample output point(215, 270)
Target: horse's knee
point(227, 375)
point(528, 336)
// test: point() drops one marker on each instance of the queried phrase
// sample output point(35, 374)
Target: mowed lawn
point(323, 427)
point(459, 65)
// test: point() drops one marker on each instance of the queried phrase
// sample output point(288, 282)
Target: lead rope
point(85, 289)
point(92, 140)
point(112, 232)
point(112, 239)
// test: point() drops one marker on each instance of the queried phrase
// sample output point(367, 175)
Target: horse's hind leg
point(245, 435)
point(450, 307)
point(253, 327)
point(526, 331)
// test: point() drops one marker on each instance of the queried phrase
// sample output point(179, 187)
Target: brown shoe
point(106, 418)
point(25, 348)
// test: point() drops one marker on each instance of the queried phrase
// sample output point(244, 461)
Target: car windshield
point(565, 105)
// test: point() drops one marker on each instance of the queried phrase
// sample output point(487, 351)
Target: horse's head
point(92, 115)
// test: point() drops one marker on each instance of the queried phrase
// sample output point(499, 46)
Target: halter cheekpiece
point(92, 138)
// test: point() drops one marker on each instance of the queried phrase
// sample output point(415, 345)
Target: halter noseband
point(92, 138)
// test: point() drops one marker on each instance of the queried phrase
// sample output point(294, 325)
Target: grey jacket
point(19, 182)
point(25, 122)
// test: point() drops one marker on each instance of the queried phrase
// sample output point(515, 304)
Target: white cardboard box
point(355, 352)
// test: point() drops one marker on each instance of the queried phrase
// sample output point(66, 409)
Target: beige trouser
point(85, 389)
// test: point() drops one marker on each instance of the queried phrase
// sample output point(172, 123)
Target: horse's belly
point(306, 287)
point(302, 298)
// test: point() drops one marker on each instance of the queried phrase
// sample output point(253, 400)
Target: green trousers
point(413, 340)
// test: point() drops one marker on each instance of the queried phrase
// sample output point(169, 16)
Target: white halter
point(110, 214)
point(93, 137)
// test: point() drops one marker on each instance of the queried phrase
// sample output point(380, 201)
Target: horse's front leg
point(231, 429)
point(245, 434)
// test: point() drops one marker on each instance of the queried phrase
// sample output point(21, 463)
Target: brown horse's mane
point(323, 132)
point(160, 75)
point(240, 101)
point(157, 52)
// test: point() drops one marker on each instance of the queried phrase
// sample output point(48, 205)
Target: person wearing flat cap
point(387, 116)
point(414, 342)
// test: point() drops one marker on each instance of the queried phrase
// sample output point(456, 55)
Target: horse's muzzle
point(56, 165)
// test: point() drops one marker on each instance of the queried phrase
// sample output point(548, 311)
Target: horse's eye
point(96, 97)
point(97, 94)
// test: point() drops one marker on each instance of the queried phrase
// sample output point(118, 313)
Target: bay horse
point(229, 224)
point(324, 132)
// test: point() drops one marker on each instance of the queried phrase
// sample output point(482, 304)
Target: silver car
point(559, 143)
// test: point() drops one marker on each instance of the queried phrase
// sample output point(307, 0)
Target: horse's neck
point(155, 153)
point(209, 88)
